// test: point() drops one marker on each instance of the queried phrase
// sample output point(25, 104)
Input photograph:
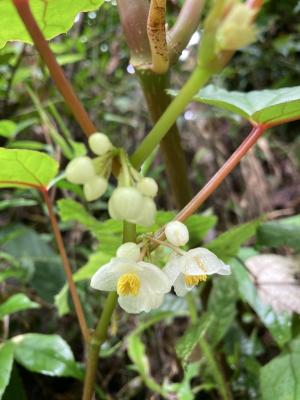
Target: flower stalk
point(100, 333)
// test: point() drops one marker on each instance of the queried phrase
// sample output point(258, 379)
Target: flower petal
point(180, 287)
point(211, 263)
point(225, 270)
point(154, 277)
point(173, 268)
point(107, 276)
point(144, 301)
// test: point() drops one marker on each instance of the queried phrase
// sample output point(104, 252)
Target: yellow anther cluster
point(128, 285)
point(192, 280)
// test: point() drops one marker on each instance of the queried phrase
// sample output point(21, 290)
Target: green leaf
point(45, 354)
point(282, 232)
point(279, 324)
point(137, 354)
point(198, 226)
point(280, 378)
point(95, 261)
point(17, 302)
point(54, 17)
point(34, 254)
point(6, 363)
point(23, 168)
point(227, 245)
point(222, 306)
point(190, 339)
point(7, 128)
point(260, 106)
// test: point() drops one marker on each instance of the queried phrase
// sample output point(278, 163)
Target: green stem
point(210, 359)
point(215, 369)
point(198, 79)
point(154, 87)
point(100, 333)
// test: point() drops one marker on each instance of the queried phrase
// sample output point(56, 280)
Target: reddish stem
point(55, 70)
point(67, 268)
point(219, 177)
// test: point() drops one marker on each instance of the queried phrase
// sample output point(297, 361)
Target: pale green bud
point(237, 29)
point(94, 188)
point(147, 214)
point(148, 187)
point(80, 170)
point(129, 250)
point(125, 204)
point(99, 143)
point(177, 233)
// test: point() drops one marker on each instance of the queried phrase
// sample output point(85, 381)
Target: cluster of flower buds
point(132, 200)
point(92, 173)
point(141, 285)
point(134, 203)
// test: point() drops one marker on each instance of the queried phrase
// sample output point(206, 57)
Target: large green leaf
point(23, 168)
point(17, 302)
point(280, 378)
point(282, 232)
point(54, 17)
point(279, 324)
point(46, 354)
point(228, 243)
point(260, 106)
point(6, 363)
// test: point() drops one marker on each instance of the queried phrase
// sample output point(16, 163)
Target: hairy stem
point(185, 25)
point(100, 333)
point(67, 268)
point(198, 78)
point(154, 88)
point(55, 70)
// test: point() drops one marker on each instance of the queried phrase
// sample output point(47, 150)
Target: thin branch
point(219, 176)
point(55, 70)
point(67, 268)
point(185, 25)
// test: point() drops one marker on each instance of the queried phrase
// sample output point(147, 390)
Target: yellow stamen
point(192, 280)
point(128, 285)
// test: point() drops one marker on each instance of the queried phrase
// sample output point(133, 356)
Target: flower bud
point(237, 29)
point(146, 217)
point(80, 170)
point(94, 188)
point(129, 250)
point(99, 143)
point(148, 187)
point(177, 233)
point(125, 204)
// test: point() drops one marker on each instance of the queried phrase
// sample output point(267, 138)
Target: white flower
point(140, 285)
point(146, 216)
point(186, 271)
point(80, 170)
point(95, 188)
point(125, 204)
point(129, 250)
point(99, 143)
point(148, 187)
point(177, 233)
